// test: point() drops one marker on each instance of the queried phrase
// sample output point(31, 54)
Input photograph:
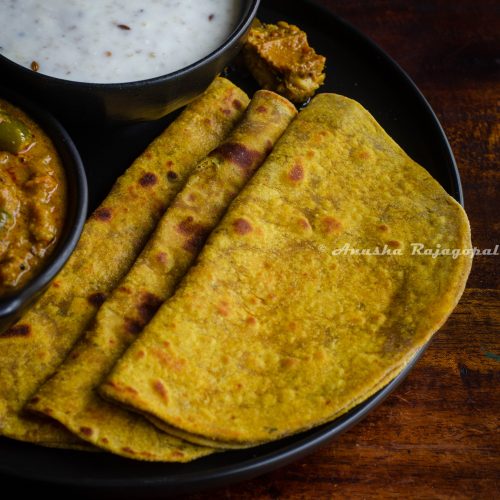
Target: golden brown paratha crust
point(69, 396)
point(279, 327)
point(220, 445)
point(111, 240)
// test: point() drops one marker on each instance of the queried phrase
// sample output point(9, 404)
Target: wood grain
point(437, 436)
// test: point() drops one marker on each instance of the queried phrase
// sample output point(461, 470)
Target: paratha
point(309, 295)
point(69, 396)
point(111, 240)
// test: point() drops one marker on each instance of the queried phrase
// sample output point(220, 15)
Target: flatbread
point(217, 445)
point(111, 240)
point(69, 396)
point(284, 323)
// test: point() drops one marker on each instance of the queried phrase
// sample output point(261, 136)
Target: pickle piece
point(14, 134)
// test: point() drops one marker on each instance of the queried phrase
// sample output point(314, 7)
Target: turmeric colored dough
point(280, 326)
point(112, 238)
point(70, 395)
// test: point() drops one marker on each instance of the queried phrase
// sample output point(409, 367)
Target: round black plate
point(357, 69)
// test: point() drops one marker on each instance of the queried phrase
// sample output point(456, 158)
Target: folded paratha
point(70, 394)
point(111, 240)
point(309, 295)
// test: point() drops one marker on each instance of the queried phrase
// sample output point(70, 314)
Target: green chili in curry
point(32, 198)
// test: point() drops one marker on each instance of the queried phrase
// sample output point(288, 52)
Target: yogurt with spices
point(113, 41)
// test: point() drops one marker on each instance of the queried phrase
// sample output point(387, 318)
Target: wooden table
point(437, 436)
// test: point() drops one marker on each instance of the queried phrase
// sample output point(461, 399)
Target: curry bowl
point(132, 101)
point(13, 303)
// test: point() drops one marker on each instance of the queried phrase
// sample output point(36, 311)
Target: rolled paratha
point(111, 240)
point(70, 394)
point(309, 296)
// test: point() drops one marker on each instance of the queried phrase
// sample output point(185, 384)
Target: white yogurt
point(110, 41)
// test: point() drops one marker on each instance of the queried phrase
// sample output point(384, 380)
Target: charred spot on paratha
point(86, 431)
point(148, 179)
point(96, 299)
point(148, 305)
point(242, 226)
point(237, 104)
point(330, 225)
point(160, 388)
point(21, 330)
point(296, 173)
point(239, 154)
point(133, 326)
point(103, 214)
point(195, 233)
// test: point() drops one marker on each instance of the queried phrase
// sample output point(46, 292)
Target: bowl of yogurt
point(119, 60)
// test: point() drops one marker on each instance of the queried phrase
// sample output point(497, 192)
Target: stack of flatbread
point(252, 275)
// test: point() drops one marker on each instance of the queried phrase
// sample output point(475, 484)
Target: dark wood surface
point(437, 436)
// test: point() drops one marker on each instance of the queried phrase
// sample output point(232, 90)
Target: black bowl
point(132, 101)
point(12, 307)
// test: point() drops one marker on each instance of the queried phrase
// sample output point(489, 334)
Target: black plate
point(356, 68)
